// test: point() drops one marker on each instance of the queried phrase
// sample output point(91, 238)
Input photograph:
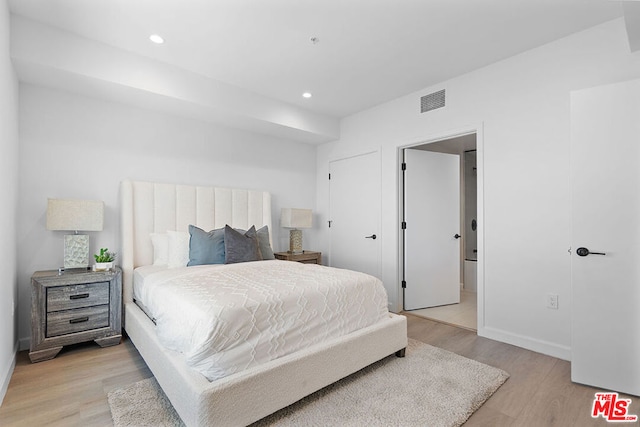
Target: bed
point(243, 396)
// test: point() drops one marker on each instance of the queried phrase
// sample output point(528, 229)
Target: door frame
point(478, 129)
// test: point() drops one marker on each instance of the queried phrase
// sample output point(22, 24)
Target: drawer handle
point(79, 319)
point(79, 296)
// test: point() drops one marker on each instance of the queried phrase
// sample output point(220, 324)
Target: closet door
point(605, 156)
point(354, 203)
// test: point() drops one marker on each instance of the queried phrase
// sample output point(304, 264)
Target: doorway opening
point(421, 263)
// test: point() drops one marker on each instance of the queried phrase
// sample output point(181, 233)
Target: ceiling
point(368, 51)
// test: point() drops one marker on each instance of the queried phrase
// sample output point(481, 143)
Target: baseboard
point(6, 375)
point(539, 346)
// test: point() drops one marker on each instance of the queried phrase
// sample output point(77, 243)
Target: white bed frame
point(247, 396)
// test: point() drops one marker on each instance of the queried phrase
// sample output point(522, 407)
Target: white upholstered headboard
point(149, 207)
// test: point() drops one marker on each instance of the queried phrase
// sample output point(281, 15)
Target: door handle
point(585, 252)
point(373, 236)
point(457, 236)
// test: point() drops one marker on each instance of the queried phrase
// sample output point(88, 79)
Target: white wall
point(522, 105)
point(8, 195)
point(77, 147)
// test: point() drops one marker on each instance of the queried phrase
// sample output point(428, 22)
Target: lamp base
point(76, 251)
point(295, 241)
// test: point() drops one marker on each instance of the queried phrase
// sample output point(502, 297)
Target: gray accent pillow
point(206, 247)
point(241, 247)
point(263, 243)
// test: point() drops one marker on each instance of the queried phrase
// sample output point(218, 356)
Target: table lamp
point(295, 219)
point(75, 215)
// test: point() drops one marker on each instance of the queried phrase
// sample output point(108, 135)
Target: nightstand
point(306, 257)
point(72, 307)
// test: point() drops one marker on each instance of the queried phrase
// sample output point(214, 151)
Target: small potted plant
point(104, 260)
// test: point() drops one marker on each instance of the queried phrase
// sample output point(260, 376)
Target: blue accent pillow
point(240, 247)
point(206, 247)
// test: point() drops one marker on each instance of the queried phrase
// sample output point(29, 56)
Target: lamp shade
point(75, 215)
point(296, 218)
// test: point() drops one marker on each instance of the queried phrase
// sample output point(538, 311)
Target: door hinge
point(404, 166)
point(329, 176)
point(404, 284)
point(404, 225)
point(329, 223)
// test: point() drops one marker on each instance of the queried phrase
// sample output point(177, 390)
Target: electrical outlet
point(552, 301)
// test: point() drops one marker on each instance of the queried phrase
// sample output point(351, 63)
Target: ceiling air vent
point(432, 101)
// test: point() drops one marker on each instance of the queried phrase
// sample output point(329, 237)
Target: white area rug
point(429, 387)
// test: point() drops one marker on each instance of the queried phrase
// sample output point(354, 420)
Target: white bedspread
point(227, 318)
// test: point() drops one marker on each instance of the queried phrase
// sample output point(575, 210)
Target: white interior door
point(354, 203)
point(432, 216)
point(605, 134)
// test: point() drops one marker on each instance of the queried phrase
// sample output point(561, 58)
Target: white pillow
point(160, 242)
point(178, 248)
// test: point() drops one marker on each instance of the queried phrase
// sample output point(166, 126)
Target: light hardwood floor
point(71, 390)
point(463, 314)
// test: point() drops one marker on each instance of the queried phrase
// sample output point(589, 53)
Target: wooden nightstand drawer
point(76, 296)
point(80, 319)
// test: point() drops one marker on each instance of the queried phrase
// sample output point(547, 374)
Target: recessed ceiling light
point(156, 39)
point(306, 95)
